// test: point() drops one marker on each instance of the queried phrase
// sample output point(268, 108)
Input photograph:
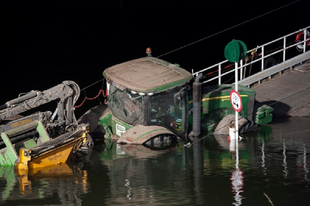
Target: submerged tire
point(161, 141)
point(249, 126)
point(223, 126)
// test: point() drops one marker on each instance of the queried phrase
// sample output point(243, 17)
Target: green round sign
point(235, 50)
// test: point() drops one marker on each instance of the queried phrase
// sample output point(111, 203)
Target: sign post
point(234, 52)
point(236, 113)
point(236, 103)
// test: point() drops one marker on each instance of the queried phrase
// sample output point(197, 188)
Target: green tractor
point(154, 103)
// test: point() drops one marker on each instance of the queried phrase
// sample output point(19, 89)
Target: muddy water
point(272, 168)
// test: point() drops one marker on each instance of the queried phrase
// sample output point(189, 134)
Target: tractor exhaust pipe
point(196, 107)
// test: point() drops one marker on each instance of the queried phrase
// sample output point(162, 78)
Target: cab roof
point(147, 74)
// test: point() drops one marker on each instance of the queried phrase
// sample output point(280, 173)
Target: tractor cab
point(151, 101)
point(166, 108)
point(147, 99)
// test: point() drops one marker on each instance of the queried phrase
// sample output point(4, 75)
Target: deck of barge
point(286, 88)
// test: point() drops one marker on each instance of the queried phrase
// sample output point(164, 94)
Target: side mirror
point(177, 98)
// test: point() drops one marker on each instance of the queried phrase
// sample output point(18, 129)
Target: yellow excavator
point(32, 139)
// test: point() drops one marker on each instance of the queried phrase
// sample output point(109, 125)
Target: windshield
point(126, 107)
point(170, 110)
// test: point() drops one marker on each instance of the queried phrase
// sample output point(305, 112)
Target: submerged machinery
point(154, 102)
point(40, 139)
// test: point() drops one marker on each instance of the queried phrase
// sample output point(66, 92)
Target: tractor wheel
point(161, 141)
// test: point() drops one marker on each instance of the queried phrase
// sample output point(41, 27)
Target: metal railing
point(260, 55)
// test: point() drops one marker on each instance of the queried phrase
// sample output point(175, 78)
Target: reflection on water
point(237, 174)
point(269, 167)
point(237, 185)
point(60, 185)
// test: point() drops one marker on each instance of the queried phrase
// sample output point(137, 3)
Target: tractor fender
point(244, 125)
point(140, 151)
point(141, 134)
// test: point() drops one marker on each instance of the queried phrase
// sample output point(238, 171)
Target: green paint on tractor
point(152, 92)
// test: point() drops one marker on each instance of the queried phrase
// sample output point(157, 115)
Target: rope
point(232, 27)
point(93, 84)
point(101, 91)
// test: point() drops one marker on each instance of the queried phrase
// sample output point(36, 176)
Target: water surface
point(272, 168)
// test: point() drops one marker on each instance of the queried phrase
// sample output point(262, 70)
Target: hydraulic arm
point(66, 93)
point(47, 133)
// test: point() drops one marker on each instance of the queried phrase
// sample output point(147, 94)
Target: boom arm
point(67, 93)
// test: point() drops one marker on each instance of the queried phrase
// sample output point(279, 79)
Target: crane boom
point(67, 93)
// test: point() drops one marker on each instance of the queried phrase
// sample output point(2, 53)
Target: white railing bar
point(265, 56)
point(254, 61)
point(210, 67)
point(240, 67)
point(276, 52)
point(293, 45)
point(209, 80)
point(278, 39)
point(261, 58)
point(230, 71)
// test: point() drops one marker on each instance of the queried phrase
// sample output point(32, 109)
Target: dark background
point(46, 42)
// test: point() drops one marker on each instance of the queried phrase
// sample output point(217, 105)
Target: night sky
point(46, 42)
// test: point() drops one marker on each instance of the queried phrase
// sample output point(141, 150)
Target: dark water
point(272, 168)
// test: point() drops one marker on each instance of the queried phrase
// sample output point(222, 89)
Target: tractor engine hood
point(144, 135)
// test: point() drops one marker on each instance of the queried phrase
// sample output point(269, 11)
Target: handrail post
point(220, 74)
point(262, 66)
point(284, 48)
point(241, 70)
point(305, 38)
